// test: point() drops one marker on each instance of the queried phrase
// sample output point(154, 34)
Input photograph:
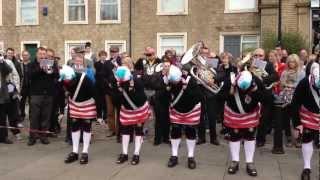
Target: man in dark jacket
point(266, 116)
point(42, 83)
point(5, 70)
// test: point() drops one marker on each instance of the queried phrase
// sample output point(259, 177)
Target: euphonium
point(200, 70)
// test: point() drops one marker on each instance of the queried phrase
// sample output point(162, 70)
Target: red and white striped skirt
point(189, 118)
point(83, 110)
point(309, 120)
point(241, 121)
point(132, 117)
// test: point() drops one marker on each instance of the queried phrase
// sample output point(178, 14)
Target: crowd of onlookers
point(22, 82)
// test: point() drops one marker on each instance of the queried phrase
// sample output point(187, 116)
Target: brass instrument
point(200, 70)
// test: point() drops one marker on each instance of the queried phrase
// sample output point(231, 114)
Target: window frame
point(228, 10)
point(18, 14)
point(66, 47)
point(98, 17)
point(107, 44)
point(160, 35)
point(161, 13)
point(66, 14)
point(241, 34)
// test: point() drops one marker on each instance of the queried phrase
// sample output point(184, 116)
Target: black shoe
point(122, 158)
point(32, 141)
point(215, 141)
point(251, 170)
point(7, 141)
point(260, 144)
point(305, 175)
point(45, 141)
point(72, 157)
point(192, 163)
point(135, 160)
point(201, 141)
point(173, 161)
point(233, 168)
point(84, 158)
point(277, 151)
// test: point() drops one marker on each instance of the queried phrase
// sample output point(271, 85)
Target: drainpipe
point(130, 28)
point(279, 22)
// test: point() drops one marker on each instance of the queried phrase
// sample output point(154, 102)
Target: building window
point(27, 12)
point(239, 44)
point(69, 45)
point(238, 6)
point(175, 41)
point(76, 11)
point(172, 7)
point(108, 11)
point(121, 44)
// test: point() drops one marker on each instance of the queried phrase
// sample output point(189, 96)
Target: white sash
point(180, 93)
point(238, 101)
point(78, 87)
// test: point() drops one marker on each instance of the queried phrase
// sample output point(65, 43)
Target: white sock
point(86, 142)
point(191, 144)
point(125, 144)
point(234, 150)
point(175, 146)
point(307, 152)
point(137, 142)
point(75, 141)
point(249, 149)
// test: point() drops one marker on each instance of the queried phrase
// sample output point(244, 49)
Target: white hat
point(123, 74)
point(174, 74)
point(66, 73)
point(244, 81)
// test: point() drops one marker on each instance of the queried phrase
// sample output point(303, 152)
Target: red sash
point(241, 121)
point(309, 120)
point(83, 110)
point(189, 118)
point(132, 117)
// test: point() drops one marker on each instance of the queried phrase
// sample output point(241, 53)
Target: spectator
point(25, 85)
point(42, 84)
point(88, 53)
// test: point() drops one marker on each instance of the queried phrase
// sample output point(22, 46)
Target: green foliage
point(292, 41)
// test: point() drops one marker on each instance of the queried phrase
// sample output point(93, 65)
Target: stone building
point(231, 25)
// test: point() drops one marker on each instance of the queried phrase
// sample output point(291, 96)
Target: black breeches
point(81, 124)
point(308, 135)
point(129, 130)
point(176, 131)
point(247, 134)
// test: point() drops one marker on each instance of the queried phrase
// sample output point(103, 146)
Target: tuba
point(200, 69)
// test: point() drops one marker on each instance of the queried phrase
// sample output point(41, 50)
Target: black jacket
point(136, 93)
point(249, 99)
point(5, 70)
point(303, 97)
point(42, 83)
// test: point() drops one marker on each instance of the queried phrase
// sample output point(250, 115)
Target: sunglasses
point(258, 55)
point(148, 55)
point(113, 51)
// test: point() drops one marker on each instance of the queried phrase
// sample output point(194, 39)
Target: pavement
point(45, 162)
